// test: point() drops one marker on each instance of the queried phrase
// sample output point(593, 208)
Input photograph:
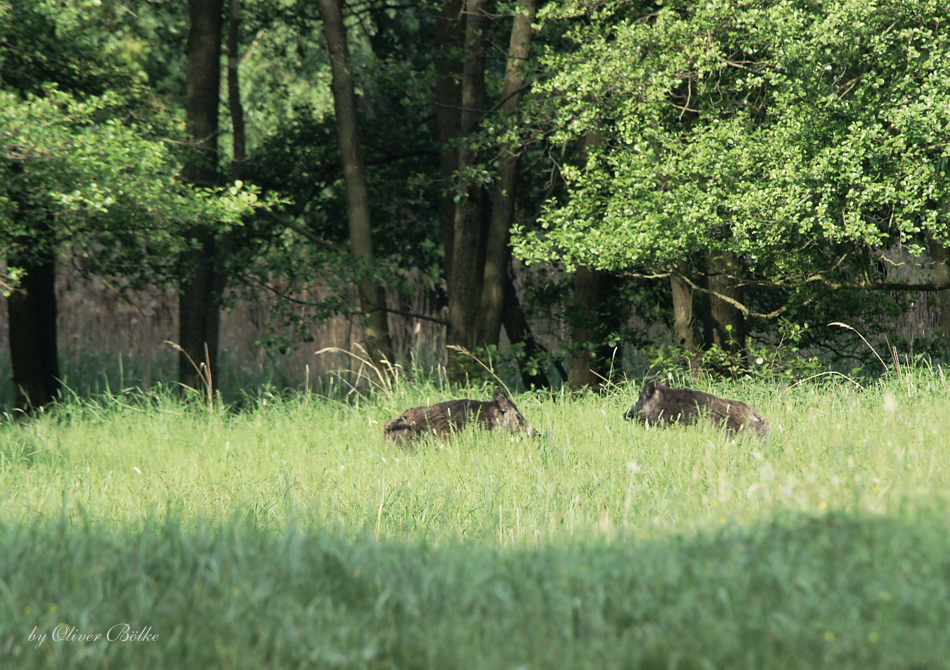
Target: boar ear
point(501, 398)
point(649, 387)
point(663, 385)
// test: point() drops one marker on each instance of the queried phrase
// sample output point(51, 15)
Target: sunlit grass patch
point(838, 447)
point(599, 543)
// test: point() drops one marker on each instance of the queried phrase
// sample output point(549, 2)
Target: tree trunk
point(684, 319)
point(449, 45)
point(31, 310)
point(587, 283)
point(941, 261)
point(468, 268)
point(234, 93)
point(226, 241)
point(498, 251)
point(516, 326)
point(584, 316)
point(202, 282)
point(724, 322)
point(371, 296)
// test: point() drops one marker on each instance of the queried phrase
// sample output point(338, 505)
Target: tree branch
point(300, 230)
point(306, 303)
point(414, 315)
point(830, 288)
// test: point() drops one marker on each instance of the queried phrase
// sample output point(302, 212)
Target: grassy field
point(290, 535)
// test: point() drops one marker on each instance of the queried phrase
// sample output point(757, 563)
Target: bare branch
point(830, 287)
point(306, 303)
point(300, 230)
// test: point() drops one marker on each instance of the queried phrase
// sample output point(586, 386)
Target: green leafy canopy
point(776, 129)
point(88, 157)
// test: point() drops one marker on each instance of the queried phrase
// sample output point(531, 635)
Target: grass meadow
point(288, 534)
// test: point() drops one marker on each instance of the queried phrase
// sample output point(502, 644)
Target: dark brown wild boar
point(658, 403)
point(444, 418)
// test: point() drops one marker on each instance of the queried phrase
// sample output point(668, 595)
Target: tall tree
point(32, 311)
point(478, 279)
point(31, 305)
point(449, 47)
point(234, 92)
point(941, 261)
point(498, 250)
point(202, 278)
point(590, 291)
point(469, 230)
point(80, 174)
point(371, 295)
point(587, 297)
point(684, 319)
point(811, 133)
point(723, 321)
point(533, 372)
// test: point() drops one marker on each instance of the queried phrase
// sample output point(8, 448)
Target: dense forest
point(722, 180)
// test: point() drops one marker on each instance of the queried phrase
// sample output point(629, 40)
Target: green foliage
point(794, 135)
point(294, 157)
point(88, 160)
point(487, 366)
point(774, 363)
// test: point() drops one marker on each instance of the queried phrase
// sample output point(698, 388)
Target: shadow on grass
point(829, 591)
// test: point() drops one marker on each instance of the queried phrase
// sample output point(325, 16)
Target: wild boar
point(658, 403)
point(444, 418)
